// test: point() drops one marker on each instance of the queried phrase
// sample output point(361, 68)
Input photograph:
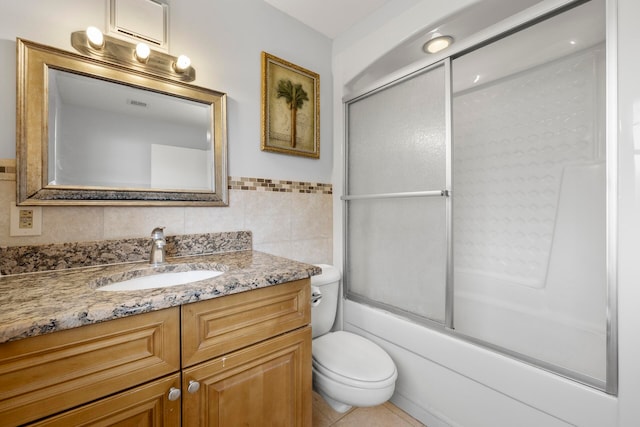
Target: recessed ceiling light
point(437, 44)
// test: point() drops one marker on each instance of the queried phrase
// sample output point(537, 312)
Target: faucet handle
point(158, 233)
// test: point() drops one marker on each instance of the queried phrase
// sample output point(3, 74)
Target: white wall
point(224, 39)
point(459, 383)
point(8, 105)
point(628, 103)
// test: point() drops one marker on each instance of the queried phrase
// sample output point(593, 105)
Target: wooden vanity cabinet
point(242, 359)
point(247, 359)
point(44, 375)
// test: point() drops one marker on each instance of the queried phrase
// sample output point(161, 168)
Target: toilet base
point(342, 397)
point(335, 405)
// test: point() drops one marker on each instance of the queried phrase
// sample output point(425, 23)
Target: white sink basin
point(161, 280)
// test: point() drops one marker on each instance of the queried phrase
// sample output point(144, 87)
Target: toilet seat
point(353, 360)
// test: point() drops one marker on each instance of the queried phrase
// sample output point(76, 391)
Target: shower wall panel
point(514, 139)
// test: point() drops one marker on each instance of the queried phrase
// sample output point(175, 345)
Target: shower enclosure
point(476, 197)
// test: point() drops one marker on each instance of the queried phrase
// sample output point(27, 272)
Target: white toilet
point(348, 370)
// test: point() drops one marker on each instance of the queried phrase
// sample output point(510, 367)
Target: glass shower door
point(516, 256)
point(529, 195)
point(396, 213)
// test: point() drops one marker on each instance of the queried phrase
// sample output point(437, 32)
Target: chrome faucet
point(157, 256)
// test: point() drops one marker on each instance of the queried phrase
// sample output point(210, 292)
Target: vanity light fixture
point(94, 43)
point(437, 44)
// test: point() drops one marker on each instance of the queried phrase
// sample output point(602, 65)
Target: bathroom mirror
point(93, 133)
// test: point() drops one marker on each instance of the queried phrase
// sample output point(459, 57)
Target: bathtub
point(446, 380)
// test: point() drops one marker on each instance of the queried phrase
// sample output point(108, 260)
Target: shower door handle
point(429, 193)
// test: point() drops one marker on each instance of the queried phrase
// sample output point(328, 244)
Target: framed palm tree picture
point(290, 108)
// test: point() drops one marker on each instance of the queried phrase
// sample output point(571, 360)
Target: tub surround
point(62, 298)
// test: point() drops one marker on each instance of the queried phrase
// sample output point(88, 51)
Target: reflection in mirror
point(106, 134)
point(94, 133)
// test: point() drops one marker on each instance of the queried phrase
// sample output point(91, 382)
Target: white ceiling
point(329, 17)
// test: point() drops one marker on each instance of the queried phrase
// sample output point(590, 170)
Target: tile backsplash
point(286, 218)
point(59, 256)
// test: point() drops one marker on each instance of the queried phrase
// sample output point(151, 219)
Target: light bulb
point(142, 52)
point(182, 63)
point(96, 39)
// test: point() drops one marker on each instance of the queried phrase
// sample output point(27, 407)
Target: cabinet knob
point(194, 386)
point(174, 393)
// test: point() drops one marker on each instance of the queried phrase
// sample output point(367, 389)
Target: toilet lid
point(353, 357)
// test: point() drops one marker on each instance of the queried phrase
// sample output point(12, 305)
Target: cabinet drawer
point(144, 406)
point(43, 375)
point(215, 327)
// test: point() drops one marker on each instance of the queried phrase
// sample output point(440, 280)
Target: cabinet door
point(268, 384)
point(147, 405)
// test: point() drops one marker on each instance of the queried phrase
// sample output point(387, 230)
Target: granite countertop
point(39, 303)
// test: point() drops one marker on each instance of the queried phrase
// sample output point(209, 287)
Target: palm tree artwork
point(295, 96)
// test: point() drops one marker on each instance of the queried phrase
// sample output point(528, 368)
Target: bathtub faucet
point(157, 256)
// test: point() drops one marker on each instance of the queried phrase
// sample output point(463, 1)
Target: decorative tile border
point(8, 173)
point(7, 169)
point(265, 184)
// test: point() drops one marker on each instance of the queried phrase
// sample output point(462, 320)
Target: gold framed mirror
point(94, 133)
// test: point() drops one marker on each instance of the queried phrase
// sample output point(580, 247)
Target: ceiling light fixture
point(94, 43)
point(437, 44)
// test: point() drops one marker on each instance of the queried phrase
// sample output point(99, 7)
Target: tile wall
point(287, 218)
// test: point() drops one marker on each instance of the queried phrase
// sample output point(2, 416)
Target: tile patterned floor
point(385, 415)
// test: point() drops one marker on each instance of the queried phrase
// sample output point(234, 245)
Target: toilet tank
point(324, 313)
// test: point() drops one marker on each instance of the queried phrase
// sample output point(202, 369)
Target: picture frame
point(290, 94)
